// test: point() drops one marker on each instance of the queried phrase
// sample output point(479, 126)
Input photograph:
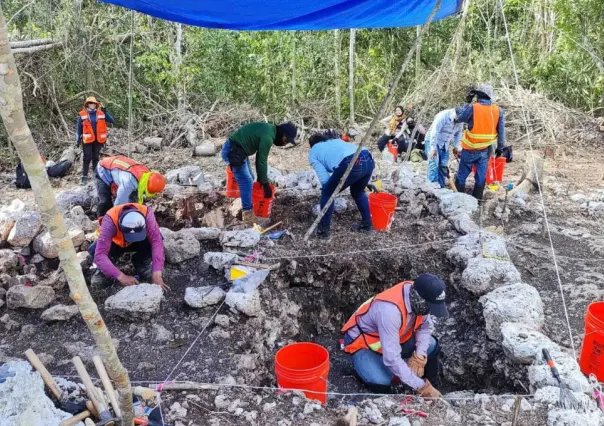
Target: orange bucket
point(393, 149)
point(495, 170)
point(303, 366)
point(232, 189)
point(262, 206)
point(382, 206)
point(591, 360)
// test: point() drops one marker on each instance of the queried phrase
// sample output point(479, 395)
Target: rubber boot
point(100, 281)
point(432, 367)
point(249, 218)
point(365, 228)
point(385, 389)
point(478, 192)
point(323, 232)
point(84, 180)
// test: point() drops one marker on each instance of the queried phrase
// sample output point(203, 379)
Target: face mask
point(418, 304)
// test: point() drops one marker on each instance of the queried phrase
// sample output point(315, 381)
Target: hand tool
point(100, 368)
point(104, 415)
point(568, 400)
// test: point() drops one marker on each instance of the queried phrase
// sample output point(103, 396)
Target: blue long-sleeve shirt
point(324, 157)
point(466, 116)
point(445, 129)
point(92, 114)
point(125, 181)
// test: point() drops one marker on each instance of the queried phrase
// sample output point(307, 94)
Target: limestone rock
point(83, 222)
point(200, 297)
point(484, 275)
point(463, 223)
point(21, 296)
point(539, 373)
point(399, 421)
point(246, 303)
point(44, 245)
point(457, 202)
point(236, 207)
point(561, 417)
point(205, 234)
point(25, 229)
point(579, 198)
point(171, 190)
point(23, 400)
point(522, 343)
point(59, 313)
point(244, 239)
point(179, 246)
point(161, 334)
point(519, 303)
point(84, 196)
point(219, 259)
point(25, 280)
point(8, 260)
point(84, 259)
point(56, 280)
point(214, 219)
point(139, 301)
point(182, 175)
point(477, 245)
point(8, 216)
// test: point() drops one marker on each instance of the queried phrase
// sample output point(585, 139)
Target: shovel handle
point(37, 364)
point(75, 419)
point(100, 368)
point(551, 364)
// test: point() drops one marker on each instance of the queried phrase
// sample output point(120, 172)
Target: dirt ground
point(320, 283)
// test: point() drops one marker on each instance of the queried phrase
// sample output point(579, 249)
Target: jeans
point(90, 152)
point(141, 260)
point(105, 198)
point(470, 158)
point(438, 166)
point(357, 180)
point(244, 176)
point(372, 371)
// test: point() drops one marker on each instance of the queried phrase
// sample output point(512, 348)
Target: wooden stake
point(75, 419)
point(100, 368)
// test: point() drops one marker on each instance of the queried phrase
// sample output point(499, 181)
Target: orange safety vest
point(126, 164)
point(88, 135)
point(371, 341)
point(114, 214)
point(484, 130)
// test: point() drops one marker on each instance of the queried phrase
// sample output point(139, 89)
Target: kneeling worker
point(128, 228)
point(395, 326)
point(126, 179)
point(254, 138)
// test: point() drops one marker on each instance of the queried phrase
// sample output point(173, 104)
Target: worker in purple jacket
point(390, 336)
point(128, 228)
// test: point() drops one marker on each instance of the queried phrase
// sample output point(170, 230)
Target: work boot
point(100, 281)
point(323, 233)
point(478, 192)
point(460, 187)
point(365, 228)
point(84, 180)
point(249, 218)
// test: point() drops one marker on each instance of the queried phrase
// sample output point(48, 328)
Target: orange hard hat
point(345, 137)
point(156, 183)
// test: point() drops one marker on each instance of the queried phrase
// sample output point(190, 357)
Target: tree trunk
point(293, 101)
point(180, 93)
point(351, 76)
point(338, 94)
point(130, 83)
point(418, 53)
point(13, 116)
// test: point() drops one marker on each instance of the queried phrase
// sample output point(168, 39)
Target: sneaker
point(100, 281)
point(84, 180)
point(250, 219)
point(323, 233)
point(365, 229)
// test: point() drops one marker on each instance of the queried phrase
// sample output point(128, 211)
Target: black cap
point(432, 290)
point(289, 129)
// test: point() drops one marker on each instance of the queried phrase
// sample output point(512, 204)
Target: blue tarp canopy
point(293, 14)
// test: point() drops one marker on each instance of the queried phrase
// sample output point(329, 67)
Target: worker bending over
point(394, 326)
point(254, 138)
point(128, 228)
point(329, 156)
point(91, 131)
point(127, 180)
point(485, 127)
point(445, 128)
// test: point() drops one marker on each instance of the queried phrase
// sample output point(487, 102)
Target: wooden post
point(418, 53)
point(351, 76)
point(293, 97)
point(130, 84)
point(380, 113)
point(180, 92)
point(337, 48)
point(13, 116)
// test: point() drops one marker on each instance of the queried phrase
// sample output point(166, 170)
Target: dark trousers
point(141, 260)
point(357, 180)
point(90, 152)
point(103, 193)
point(383, 141)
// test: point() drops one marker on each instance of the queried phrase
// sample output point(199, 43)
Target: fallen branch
point(19, 44)
point(35, 49)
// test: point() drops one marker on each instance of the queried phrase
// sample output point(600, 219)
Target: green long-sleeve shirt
point(256, 138)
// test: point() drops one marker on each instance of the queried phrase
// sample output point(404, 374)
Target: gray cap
point(487, 89)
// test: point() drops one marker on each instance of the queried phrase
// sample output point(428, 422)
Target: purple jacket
point(385, 319)
point(103, 245)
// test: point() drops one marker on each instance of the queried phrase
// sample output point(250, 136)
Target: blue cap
point(432, 290)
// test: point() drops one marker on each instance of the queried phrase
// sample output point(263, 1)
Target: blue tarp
point(293, 14)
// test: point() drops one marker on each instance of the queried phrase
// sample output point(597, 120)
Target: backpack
point(22, 180)
point(57, 170)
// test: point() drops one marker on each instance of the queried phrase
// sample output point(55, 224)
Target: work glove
point(268, 191)
point(498, 152)
point(372, 187)
point(428, 391)
point(417, 363)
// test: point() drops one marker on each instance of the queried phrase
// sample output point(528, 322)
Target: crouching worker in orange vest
point(128, 228)
point(390, 337)
point(127, 180)
point(91, 131)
